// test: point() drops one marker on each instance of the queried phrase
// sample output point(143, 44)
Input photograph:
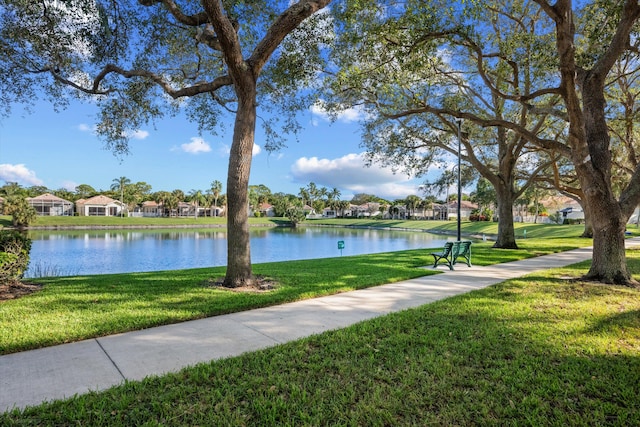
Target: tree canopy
point(152, 59)
point(419, 67)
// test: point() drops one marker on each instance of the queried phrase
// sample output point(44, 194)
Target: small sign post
point(341, 246)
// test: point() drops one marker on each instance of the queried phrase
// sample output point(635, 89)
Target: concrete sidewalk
point(32, 377)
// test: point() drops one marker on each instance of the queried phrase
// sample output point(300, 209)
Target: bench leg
point(437, 259)
point(467, 260)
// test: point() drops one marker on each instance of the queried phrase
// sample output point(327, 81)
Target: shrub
point(22, 213)
point(295, 214)
point(572, 221)
point(14, 255)
point(476, 215)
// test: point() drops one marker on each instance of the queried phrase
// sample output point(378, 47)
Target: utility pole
point(459, 123)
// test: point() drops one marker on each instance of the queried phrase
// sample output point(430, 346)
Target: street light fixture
point(459, 123)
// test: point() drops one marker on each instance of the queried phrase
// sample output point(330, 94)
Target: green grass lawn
point(79, 307)
point(546, 349)
point(540, 350)
point(107, 304)
point(467, 227)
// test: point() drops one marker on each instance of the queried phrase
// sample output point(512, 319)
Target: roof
point(98, 200)
point(463, 204)
point(560, 202)
point(47, 197)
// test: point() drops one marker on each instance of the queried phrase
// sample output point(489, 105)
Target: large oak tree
point(553, 70)
point(420, 69)
point(584, 62)
point(139, 61)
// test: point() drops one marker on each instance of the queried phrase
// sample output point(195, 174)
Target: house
point(186, 209)
point(571, 215)
point(151, 208)
point(465, 209)
point(445, 212)
point(99, 206)
point(365, 210)
point(329, 213)
point(217, 211)
point(266, 209)
point(49, 205)
point(568, 209)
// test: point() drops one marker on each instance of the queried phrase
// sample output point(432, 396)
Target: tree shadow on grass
point(483, 358)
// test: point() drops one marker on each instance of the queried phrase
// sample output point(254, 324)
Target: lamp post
point(459, 123)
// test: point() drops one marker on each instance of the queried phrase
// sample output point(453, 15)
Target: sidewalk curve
point(32, 377)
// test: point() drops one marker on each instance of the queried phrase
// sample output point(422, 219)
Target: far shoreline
point(470, 230)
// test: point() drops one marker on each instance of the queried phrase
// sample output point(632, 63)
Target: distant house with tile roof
point(266, 209)
point(99, 206)
point(152, 208)
point(49, 205)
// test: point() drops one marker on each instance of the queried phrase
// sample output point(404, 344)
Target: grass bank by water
point(80, 307)
point(540, 350)
point(545, 349)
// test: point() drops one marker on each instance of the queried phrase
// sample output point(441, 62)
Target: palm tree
point(304, 196)
point(334, 194)
point(161, 198)
point(120, 184)
point(21, 211)
point(343, 205)
point(216, 189)
point(412, 202)
point(172, 202)
point(178, 194)
point(13, 189)
point(197, 197)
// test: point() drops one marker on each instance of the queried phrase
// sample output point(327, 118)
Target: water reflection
point(121, 251)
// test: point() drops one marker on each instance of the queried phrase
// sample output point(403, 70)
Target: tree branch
point(176, 12)
point(530, 136)
point(620, 41)
point(196, 89)
point(280, 28)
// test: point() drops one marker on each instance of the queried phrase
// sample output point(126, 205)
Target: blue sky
point(60, 150)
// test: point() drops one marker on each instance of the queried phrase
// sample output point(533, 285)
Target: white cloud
point(133, 134)
point(350, 174)
point(349, 115)
point(20, 174)
point(69, 185)
point(196, 146)
point(138, 134)
point(83, 127)
point(225, 150)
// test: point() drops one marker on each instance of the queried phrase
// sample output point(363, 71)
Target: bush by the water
point(14, 255)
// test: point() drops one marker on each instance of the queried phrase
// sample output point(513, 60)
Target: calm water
point(123, 251)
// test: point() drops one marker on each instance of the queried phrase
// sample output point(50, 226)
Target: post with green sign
point(341, 246)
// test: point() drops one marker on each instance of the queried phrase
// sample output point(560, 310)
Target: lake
point(126, 251)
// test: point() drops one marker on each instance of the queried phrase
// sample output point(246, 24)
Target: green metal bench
point(448, 254)
point(464, 252)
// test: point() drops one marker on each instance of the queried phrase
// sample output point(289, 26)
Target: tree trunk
point(506, 232)
point(588, 138)
point(588, 226)
point(609, 263)
point(239, 272)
